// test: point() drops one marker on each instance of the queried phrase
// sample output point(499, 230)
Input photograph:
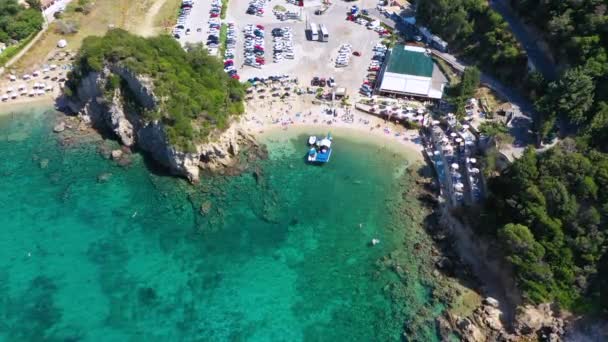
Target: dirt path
point(147, 28)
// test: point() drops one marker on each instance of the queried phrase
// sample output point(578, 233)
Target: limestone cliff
point(107, 109)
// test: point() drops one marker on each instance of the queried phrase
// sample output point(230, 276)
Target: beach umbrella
point(9, 90)
point(53, 66)
point(26, 77)
point(474, 170)
point(4, 97)
point(455, 166)
point(14, 96)
point(473, 160)
point(12, 78)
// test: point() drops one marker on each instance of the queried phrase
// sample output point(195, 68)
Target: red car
point(260, 27)
point(214, 15)
point(374, 68)
point(236, 77)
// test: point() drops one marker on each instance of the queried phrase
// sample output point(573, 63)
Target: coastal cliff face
point(108, 110)
point(502, 316)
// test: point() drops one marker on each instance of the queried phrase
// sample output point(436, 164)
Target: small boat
point(312, 140)
point(375, 242)
point(320, 152)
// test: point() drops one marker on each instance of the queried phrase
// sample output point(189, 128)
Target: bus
point(314, 32)
point(323, 33)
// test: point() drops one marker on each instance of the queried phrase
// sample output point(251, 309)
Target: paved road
point(541, 60)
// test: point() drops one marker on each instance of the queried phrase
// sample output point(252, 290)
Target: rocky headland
point(223, 151)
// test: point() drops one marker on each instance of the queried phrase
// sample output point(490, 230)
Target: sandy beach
point(301, 117)
point(26, 104)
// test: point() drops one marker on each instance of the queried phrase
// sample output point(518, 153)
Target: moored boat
point(321, 150)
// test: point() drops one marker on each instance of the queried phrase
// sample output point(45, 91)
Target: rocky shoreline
point(498, 317)
point(482, 303)
point(225, 152)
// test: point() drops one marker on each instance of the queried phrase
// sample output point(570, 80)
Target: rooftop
point(410, 60)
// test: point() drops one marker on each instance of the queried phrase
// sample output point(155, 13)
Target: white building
point(410, 71)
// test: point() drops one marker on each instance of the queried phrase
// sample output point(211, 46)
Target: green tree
point(575, 91)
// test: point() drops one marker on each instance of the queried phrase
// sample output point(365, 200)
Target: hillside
point(193, 94)
point(175, 105)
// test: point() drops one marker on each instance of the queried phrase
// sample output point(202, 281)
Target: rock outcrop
point(106, 110)
point(486, 324)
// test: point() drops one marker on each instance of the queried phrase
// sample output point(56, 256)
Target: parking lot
point(312, 58)
point(197, 19)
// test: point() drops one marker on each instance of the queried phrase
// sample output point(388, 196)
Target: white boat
point(312, 140)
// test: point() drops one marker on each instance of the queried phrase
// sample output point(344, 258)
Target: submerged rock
point(44, 163)
point(104, 177)
point(205, 208)
point(59, 127)
point(116, 154)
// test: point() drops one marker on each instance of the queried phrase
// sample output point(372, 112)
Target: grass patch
point(13, 50)
point(489, 99)
point(167, 15)
point(224, 9)
point(104, 15)
point(223, 38)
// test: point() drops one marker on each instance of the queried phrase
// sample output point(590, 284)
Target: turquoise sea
point(281, 256)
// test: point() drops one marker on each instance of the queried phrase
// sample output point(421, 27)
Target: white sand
point(262, 119)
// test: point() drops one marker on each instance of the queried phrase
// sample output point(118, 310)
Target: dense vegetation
point(459, 94)
point(478, 32)
point(577, 33)
point(195, 94)
point(552, 215)
point(548, 209)
point(17, 22)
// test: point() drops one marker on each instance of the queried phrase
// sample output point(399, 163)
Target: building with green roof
point(410, 71)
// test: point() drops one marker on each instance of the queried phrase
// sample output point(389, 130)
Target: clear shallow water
point(281, 257)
